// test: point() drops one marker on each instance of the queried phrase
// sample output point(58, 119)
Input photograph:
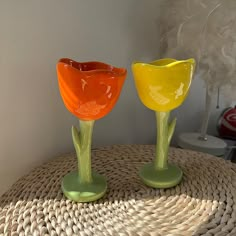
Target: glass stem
point(164, 134)
point(206, 116)
point(82, 142)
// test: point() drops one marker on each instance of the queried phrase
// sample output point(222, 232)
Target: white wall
point(34, 124)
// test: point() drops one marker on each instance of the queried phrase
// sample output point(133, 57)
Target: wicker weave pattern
point(203, 204)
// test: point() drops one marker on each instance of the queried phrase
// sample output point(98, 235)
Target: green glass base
point(165, 178)
point(76, 191)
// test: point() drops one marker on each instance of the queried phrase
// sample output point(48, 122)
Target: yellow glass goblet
point(162, 86)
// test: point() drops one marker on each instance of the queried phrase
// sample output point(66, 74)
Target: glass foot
point(83, 192)
point(165, 178)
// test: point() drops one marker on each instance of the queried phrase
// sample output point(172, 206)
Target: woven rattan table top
point(203, 204)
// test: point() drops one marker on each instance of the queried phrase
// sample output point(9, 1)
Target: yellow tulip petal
point(163, 85)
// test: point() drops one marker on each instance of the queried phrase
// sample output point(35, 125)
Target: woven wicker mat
point(203, 204)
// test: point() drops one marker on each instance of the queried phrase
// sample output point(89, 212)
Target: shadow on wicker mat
point(203, 204)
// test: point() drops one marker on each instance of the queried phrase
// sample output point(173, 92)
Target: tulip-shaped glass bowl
point(89, 91)
point(162, 86)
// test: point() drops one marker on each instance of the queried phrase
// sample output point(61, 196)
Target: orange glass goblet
point(89, 91)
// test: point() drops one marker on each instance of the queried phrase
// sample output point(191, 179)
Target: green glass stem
point(164, 134)
point(82, 143)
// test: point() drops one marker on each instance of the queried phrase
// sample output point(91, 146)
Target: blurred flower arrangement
point(205, 30)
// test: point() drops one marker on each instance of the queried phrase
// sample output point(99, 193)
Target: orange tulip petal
point(90, 89)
